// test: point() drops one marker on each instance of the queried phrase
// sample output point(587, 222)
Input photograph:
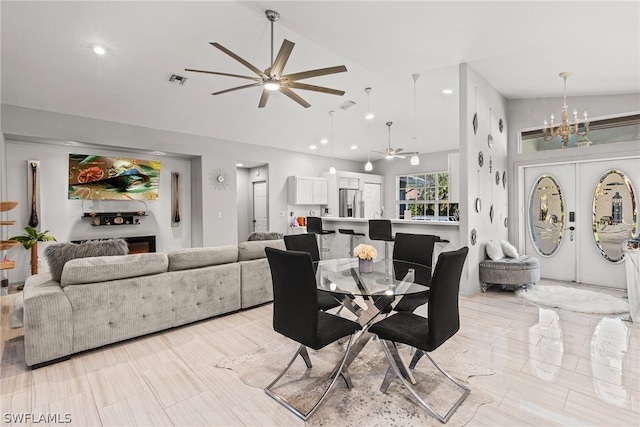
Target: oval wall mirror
point(546, 215)
point(614, 214)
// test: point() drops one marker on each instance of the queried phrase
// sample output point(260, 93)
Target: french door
point(578, 257)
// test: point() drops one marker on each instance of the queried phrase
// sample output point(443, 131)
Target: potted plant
point(30, 240)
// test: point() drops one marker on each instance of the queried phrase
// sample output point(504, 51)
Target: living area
point(213, 149)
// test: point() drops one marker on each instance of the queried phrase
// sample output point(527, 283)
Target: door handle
point(571, 232)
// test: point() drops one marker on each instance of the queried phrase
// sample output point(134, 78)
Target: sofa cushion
point(255, 249)
point(58, 254)
point(105, 268)
point(185, 259)
point(494, 250)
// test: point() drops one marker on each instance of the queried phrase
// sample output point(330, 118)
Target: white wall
point(530, 113)
point(208, 228)
point(478, 96)
point(63, 216)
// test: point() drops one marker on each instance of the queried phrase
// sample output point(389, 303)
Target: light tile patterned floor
point(553, 367)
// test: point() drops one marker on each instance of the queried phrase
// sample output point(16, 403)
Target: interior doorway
point(260, 217)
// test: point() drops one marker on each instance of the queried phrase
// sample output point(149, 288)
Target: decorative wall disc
point(504, 179)
point(475, 124)
point(480, 159)
point(497, 177)
point(478, 204)
point(491, 214)
point(219, 178)
point(474, 237)
point(506, 222)
point(490, 165)
point(501, 125)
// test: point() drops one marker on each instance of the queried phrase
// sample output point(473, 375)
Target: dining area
point(364, 320)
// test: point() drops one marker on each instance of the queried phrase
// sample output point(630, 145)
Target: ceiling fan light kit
point(272, 78)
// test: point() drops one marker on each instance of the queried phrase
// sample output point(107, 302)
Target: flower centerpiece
point(365, 254)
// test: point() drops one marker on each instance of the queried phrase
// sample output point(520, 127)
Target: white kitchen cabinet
point(350, 183)
point(308, 190)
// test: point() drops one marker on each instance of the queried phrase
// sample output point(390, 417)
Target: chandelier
point(565, 129)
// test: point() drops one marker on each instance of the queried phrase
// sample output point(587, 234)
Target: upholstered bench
point(510, 270)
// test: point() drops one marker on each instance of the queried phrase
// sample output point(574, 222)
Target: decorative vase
point(365, 265)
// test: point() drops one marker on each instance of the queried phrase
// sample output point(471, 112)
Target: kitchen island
point(338, 244)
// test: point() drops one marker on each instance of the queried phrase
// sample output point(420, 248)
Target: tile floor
point(553, 367)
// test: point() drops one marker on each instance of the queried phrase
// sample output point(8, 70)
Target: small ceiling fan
point(390, 153)
point(272, 78)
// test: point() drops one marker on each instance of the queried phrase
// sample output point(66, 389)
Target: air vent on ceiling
point(174, 78)
point(347, 104)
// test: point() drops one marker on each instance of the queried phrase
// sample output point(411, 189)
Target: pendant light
point(368, 166)
point(332, 169)
point(415, 160)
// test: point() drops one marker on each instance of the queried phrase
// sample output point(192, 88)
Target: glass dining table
point(370, 295)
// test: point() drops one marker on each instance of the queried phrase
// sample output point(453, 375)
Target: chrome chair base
point(302, 352)
point(391, 352)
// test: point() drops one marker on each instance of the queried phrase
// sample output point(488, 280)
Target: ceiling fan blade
point(379, 152)
point(237, 58)
point(314, 73)
point(397, 150)
point(264, 98)
point(223, 74)
point(281, 58)
point(400, 157)
point(237, 88)
point(322, 89)
point(291, 94)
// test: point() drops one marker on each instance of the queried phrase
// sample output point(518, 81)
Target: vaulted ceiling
point(519, 47)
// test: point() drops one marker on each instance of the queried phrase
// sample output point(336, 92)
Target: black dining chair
point(380, 229)
point(308, 243)
point(442, 322)
point(314, 225)
point(296, 315)
point(418, 249)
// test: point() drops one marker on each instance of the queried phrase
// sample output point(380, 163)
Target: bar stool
point(380, 229)
point(352, 234)
point(314, 225)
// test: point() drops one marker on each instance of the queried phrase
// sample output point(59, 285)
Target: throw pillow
point(494, 250)
point(58, 254)
point(508, 249)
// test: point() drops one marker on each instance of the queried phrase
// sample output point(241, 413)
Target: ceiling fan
point(390, 153)
point(272, 78)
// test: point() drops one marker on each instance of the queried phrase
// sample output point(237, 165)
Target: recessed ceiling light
point(99, 50)
point(324, 141)
point(313, 147)
point(369, 116)
point(158, 153)
point(447, 91)
point(239, 165)
point(353, 147)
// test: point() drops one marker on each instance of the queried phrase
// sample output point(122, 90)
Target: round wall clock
point(219, 178)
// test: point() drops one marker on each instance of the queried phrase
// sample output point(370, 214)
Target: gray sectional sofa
point(102, 300)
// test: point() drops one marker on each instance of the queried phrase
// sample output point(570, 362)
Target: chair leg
point(284, 401)
point(416, 358)
point(442, 418)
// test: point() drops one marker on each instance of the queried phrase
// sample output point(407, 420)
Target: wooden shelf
point(114, 218)
point(12, 222)
point(7, 265)
point(7, 206)
point(8, 244)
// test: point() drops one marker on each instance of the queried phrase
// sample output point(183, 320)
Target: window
point(426, 197)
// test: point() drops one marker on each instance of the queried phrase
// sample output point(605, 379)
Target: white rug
point(572, 299)
point(365, 404)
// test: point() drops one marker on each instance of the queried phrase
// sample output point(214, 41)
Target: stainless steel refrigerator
point(349, 203)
